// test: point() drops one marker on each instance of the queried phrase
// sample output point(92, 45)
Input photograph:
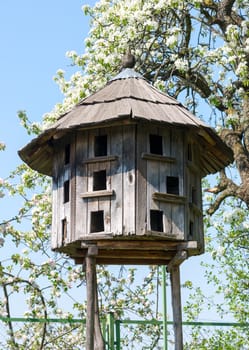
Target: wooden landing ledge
point(158, 158)
point(100, 159)
point(169, 198)
point(101, 193)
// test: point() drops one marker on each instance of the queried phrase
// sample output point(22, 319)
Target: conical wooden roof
point(127, 96)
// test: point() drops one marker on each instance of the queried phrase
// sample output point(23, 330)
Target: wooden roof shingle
point(126, 96)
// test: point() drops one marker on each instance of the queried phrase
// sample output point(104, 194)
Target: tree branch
point(11, 330)
point(234, 140)
point(18, 280)
point(225, 188)
point(222, 14)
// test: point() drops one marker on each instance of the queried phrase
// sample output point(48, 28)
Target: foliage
point(221, 339)
point(198, 51)
point(227, 242)
point(231, 256)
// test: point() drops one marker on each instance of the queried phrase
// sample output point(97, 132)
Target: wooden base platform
point(125, 252)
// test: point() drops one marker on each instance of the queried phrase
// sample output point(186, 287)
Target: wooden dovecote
point(127, 164)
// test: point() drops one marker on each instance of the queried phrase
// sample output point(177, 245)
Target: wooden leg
point(99, 343)
point(90, 281)
point(176, 305)
point(94, 338)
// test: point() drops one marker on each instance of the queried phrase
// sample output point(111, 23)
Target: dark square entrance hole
point(156, 144)
point(100, 145)
point(67, 154)
point(99, 180)
point(97, 221)
point(156, 220)
point(172, 185)
point(64, 230)
point(66, 191)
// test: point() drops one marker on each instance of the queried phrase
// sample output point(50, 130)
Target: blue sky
point(34, 37)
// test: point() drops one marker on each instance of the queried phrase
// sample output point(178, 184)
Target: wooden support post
point(174, 270)
point(90, 283)
point(177, 307)
point(94, 338)
point(99, 343)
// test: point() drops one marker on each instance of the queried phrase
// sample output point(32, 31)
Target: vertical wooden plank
point(116, 177)
point(190, 160)
point(60, 210)
point(91, 142)
point(66, 212)
point(59, 200)
point(199, 216)
point(179, 225)
point(177, 151)
point(152, 186)
point(186, 183)
point(129, 179)
point(166, 208)
point(193, 181)
point(72, 187)
point(176, 305)
point(153, 178)
point(104, 202)
point(141, 182)
point(178, 220)
point(166, 134)
point(108, 132)
point(55, 202)
point(64, 208)
point(63, 212)
point(92, 203)
point(81, 184)
point(164, 171)
point(167, 217)
point(55, 230)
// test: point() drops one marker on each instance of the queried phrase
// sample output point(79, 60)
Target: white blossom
point(181, 64)
point(245, 225)
point(220, 251)
point(171, 41)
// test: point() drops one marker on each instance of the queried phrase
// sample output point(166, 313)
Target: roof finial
point(128, 60)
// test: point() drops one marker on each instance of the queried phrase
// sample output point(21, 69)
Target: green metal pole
point(104, 330)
point(111, 325)
point(117, 327)
point(164, 294)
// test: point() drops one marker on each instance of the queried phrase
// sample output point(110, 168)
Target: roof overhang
point(125, 99)
point(39, 153)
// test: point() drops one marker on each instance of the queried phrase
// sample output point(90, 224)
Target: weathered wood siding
point(113, 194)
point(194, 191)
point(129, 179)
point(117, 200)
point(63, 211)
point(159, 166)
